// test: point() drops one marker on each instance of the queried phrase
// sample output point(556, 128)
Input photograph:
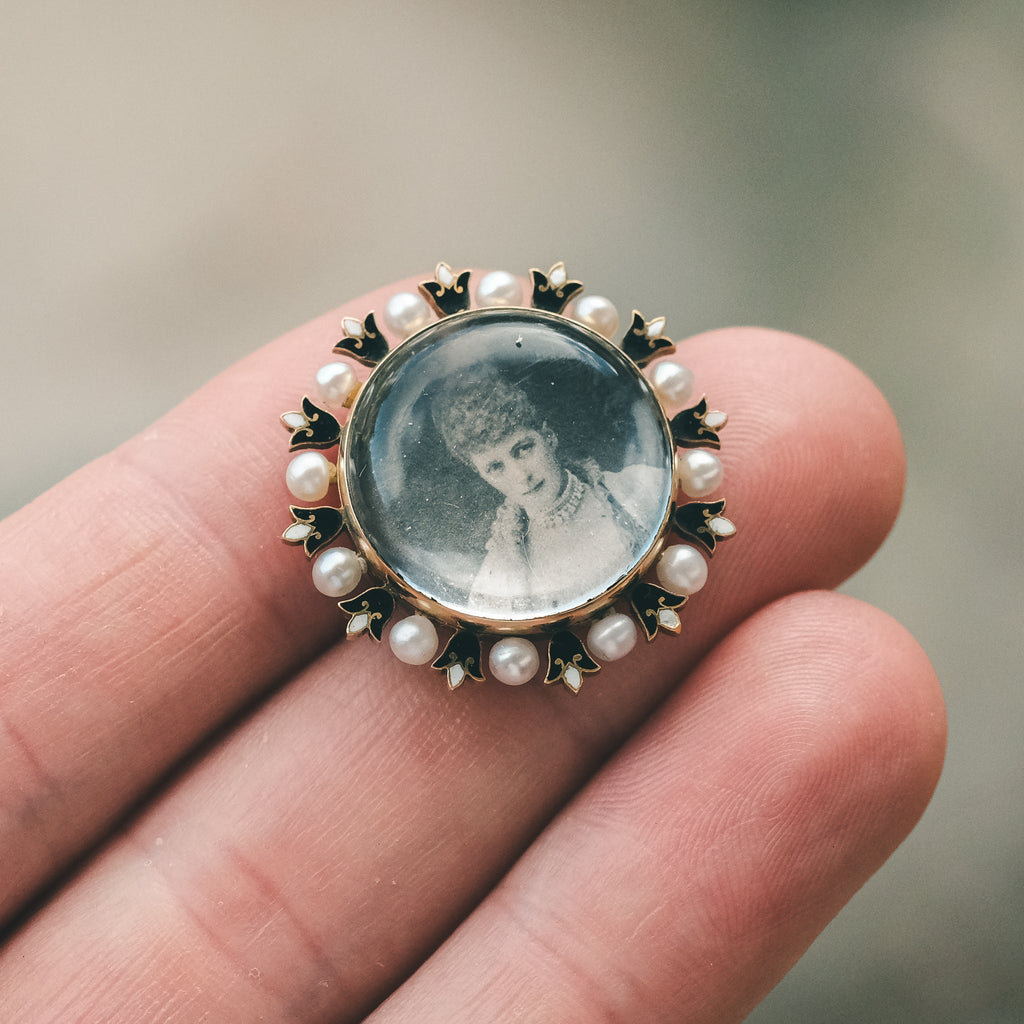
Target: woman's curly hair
point(474, 414)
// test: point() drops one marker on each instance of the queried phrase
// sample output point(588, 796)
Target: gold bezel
point(437, 609)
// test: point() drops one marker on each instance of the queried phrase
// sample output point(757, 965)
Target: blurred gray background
point(181, 182)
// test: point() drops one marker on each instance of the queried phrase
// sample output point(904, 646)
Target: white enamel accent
point(294, 420)
point(656, 327)
point(514, 661)
point(672, 383)
point(335, 383)
point(612, 637)
point(595, 312)
point(358, 623)
point(668, 618)
point(715, 419)
point(700, 473)
point(308, 476)
point(336, 571)
point(353, 327)
point(443, 275)
point(557, 275)
point(499, 288)
point(297, 532)
point(573, 678)
point(406, 313)
point(456, 674)
point(682, 570)
point(414, 640)
point(721, 526)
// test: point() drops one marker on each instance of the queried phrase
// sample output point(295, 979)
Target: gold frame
point(437, 610)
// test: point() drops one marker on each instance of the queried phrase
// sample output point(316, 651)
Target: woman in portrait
point(565, 529)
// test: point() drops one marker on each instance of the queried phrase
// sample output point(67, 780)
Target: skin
point(522, 467)
point(213, 810)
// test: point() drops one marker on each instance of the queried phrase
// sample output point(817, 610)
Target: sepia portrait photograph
point(510, 466)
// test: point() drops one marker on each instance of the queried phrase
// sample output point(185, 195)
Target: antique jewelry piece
point(507, 477)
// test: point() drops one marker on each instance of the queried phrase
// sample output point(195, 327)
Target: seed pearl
point(336, 571)
point(414, 640)
point(514, 661)
point(308, 476)
point(499, 288)
point(597, 313)
point(406, 313)
point(672, 383)
point(334, 383)
point(612, 637)
point(682, 570)
point(700, 473)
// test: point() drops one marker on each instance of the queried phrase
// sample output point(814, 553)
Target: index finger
point(145, 599)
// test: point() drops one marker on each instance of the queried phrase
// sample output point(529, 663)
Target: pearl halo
point(597, 313)
point(514, 661)
point(499, 288)
point(336, 571)
point(405, 314)
point(414, 640)
point(308, 476)
point(335, 383)
point(612, 637)
point(700, 473)
point(682, 569)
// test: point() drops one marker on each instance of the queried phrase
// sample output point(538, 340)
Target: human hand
point(267, 823)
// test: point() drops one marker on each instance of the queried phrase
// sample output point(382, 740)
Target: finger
point(146, 598)
point(700, 864)
point(281, 850)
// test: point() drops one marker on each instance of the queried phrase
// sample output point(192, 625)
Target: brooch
point(508, 481)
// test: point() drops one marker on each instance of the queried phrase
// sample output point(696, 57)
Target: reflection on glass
point(509, 465)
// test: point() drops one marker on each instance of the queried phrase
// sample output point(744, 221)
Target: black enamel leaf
point(369, 349)
point(689, 430)
point(647, 600)
point(550, 298)
point(451, 299)
point(692, 522)
point(327, 522)
point(322, 430)
point(565, 650)
point(639, 347)
point(462, 649)
point(377, 604)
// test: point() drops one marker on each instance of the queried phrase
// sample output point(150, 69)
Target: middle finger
point(309, 863)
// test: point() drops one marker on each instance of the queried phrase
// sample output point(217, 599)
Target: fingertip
point(831, 706)
point(895, 699)
point(812, 447)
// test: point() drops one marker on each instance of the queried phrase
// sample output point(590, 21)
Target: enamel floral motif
point(507, 476)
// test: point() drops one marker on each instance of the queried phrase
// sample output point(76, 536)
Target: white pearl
point(672, 383)
point(612, 637)
point(414, 640)
point(406, 313)
point(682, 570)
point(499, 288)
point(514, 661)
point(700, 473)
point(336, 571)
point(595, 312)
point(334, 383)
point(308, 476)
